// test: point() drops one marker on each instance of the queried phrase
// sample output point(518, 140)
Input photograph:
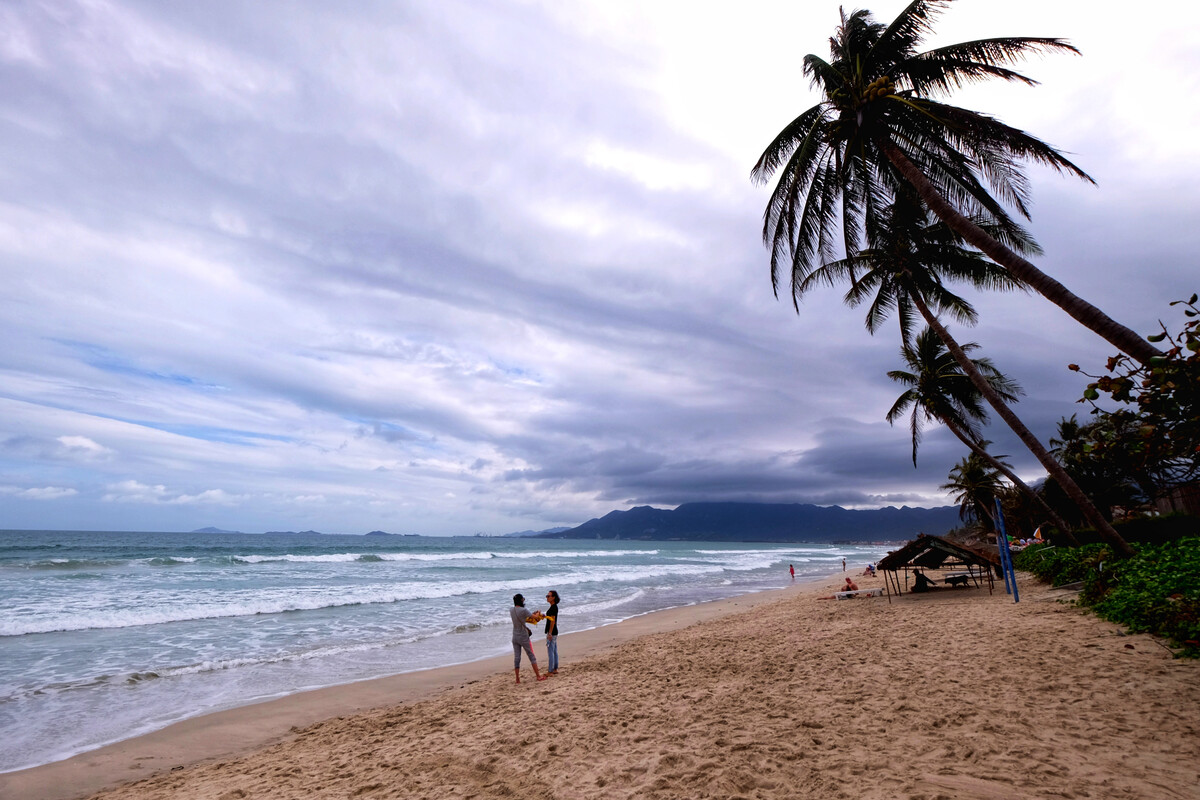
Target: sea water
point(105, 635)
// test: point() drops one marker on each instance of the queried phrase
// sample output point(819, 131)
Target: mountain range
point(765, 522)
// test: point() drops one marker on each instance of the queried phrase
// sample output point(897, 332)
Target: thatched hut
point(959, 564)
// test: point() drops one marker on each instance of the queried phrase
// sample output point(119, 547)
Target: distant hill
point(213, 530)
point(548, 533)
point(765, 522)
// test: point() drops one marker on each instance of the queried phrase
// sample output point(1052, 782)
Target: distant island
point(293, 533)
point(213, 530)
point(765, 522)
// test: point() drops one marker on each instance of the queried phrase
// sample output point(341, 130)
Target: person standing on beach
point(792, 569)
point(843, 565)
point(552, 633)
point(520, 637)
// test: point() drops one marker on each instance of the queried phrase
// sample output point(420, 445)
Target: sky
point(449, 267)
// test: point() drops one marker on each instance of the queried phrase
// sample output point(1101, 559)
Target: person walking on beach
point(520, 637)
point(552, 633)
point(792, 569)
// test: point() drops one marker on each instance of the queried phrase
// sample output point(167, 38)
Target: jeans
point(527, 646)
point(552, 654)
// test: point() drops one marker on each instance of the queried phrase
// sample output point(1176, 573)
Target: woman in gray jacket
point(520, 637)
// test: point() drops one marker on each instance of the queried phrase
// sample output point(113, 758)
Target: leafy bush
point(1154, 433)
point(1060, 565)
point(1157, 591)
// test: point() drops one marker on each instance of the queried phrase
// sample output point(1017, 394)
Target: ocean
point(106, 635)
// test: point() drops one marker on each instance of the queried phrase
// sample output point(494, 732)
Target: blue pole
point(1002, 548)
point(1010, 574)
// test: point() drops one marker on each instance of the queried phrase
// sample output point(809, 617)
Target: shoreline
point(227, 732)
point(217, 638)
point(951, 694)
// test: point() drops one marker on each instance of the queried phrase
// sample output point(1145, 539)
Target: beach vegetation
point(880, 128)
point(1103, 473)
point(974, 484)
point(910, 258)
point(918, 193)
point(939, 390)
point(1149, 437)
point(1156, 591)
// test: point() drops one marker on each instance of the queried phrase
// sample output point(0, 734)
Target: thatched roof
point(931, 552)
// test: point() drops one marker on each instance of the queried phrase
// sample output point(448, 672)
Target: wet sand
point(954, 694)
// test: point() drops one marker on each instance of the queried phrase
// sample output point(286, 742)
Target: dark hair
point(518, 599)
point(555, 593)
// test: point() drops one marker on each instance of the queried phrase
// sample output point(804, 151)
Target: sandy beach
point(954, 694)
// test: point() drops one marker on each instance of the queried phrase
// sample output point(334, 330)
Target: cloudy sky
point(445, 267)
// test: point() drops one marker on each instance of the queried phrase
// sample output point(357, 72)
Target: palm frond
point(904, 32)
point(944, 69)
point(797, 135)
point(982, 127)
point(822, 75)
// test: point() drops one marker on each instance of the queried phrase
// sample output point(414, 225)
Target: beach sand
point(954, 694)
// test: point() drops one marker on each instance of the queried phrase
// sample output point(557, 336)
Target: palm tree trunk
point(983, 512)
point(1119, 336)
point(1093, 515)
point(996, 464)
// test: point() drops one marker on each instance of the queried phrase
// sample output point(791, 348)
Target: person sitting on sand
point(520, 636)
point(922, 584)
point(849, 586)
point(869, 572)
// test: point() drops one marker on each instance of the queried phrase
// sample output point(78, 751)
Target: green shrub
point(1157, 591)
point(1060, 565)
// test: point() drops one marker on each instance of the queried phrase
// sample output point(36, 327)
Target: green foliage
point(1060, 565)
point(938, 389)
point(1103, 471)
point(1153, 436)
point(1157, 591)
point(975, 484)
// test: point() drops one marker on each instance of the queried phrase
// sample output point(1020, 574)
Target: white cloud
point(131, 491)
point(82, 446)
point(208, 496)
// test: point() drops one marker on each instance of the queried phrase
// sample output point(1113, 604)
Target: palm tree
point(912, 255)
point(1078, 497)
point(906, 269)
point(878, 128)
point(975, 484)
point(939, 390)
